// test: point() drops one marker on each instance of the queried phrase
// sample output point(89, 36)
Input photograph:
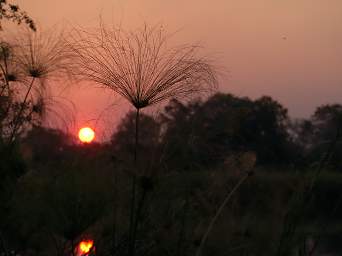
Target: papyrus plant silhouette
point(142, 68)
point(29, 59)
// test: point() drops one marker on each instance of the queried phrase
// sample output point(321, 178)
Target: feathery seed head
point(42, 54)
point(140, 66)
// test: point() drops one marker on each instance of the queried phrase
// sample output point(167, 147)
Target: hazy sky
point(289, 49)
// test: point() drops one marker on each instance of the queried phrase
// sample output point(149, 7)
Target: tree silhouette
point(13, 13)
point(324, 128)
point(205, 133)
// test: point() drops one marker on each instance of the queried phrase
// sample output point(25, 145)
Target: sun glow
point(86, 246)
point(86, 134)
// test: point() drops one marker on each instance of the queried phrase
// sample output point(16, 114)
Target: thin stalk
point(328, 155)
point(16, 120)
point(115, 212)
point(323, 230)
point(134, 181)
point(219, 211)
point(138, 214)
point(182, 229)
point(295, 212)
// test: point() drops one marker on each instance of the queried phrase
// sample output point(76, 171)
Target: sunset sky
point(288, 49)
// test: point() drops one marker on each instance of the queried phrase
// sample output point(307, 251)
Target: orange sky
point(289, 49)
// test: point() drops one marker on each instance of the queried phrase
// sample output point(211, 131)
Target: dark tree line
point(204, 134)
point(190, 156)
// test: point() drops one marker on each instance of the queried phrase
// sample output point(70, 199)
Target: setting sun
point(86, 135)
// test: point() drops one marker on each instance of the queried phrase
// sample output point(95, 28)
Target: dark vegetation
point(220, 175)
point(192, 156)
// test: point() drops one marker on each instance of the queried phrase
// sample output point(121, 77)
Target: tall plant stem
point(17, 118)
point(138, 213)
point(218, 213)
point(115, 211)
point(134, 181)
point(182, 229)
